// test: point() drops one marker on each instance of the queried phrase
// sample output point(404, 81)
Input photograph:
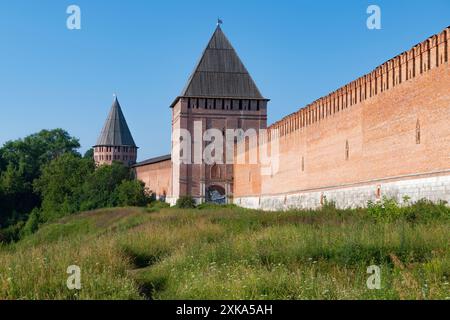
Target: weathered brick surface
point(195, 179)
point(381, 133)
point(157, 177)
point(385, 133)
point(107, 154)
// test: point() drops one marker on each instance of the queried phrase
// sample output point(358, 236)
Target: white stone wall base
point(198, 200)
point(432, 188)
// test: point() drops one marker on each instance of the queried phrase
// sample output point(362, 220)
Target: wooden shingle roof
point(115, 132)
point(220, 73)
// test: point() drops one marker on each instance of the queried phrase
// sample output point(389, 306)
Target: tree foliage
point(71, 184)
point(99, 188)
point(132, 193)
point(20, 164)
point(43, 177)
point(89, 154)
point(60, 185)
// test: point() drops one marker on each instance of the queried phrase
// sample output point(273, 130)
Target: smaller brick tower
point(115, 142)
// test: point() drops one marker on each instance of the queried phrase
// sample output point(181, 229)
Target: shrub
point(186, 202)
point(11, 233)
point(132, 193)
point(387, 209)
point(329, 206)
point(32, 224)
point(424, 210)
point(157, 205)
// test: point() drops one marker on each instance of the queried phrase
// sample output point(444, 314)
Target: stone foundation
point(434, 188)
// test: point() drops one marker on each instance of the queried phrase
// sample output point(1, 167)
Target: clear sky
point(296, 51)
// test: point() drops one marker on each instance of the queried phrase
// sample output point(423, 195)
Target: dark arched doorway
point(216, 194)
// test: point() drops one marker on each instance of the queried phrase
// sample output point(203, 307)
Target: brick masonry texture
point(157, 178)
point(384, 134)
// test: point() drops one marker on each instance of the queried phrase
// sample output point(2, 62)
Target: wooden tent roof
point(115, 132)
point(220, 73)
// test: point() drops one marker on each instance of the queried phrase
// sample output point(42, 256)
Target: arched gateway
point(216, 194)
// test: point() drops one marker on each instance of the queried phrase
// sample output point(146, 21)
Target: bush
point(132, 193)
point(424, 210)
point(329, 206)
point(157, 205)
point(186, 202)
point(32, 224)
point(387, 209)
point(11, 233)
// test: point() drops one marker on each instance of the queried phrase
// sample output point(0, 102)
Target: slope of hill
point(233, 253)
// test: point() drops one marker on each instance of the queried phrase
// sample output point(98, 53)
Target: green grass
point(232, 253)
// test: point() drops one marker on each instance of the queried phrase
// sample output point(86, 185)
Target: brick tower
point(115, 142)
point(219, 94)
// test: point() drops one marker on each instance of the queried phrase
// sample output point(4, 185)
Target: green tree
point(16, 196)
point(37, 149)
point(20, 164)
point(89, 154)
point(98, 189)
point(132, 193)
point(60, 185)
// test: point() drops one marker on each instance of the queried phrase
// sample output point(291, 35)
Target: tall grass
point(234, 253)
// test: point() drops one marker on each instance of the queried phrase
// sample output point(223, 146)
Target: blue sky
point(296, 51)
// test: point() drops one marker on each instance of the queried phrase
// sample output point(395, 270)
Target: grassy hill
point(233, 253)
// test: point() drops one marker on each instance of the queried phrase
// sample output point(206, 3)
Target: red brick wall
point(156, 176)
point(377, 115)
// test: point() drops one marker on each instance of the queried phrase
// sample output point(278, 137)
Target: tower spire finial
point(219, 22)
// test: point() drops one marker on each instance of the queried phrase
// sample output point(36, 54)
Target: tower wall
point(108, 154)
point(222, 114)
